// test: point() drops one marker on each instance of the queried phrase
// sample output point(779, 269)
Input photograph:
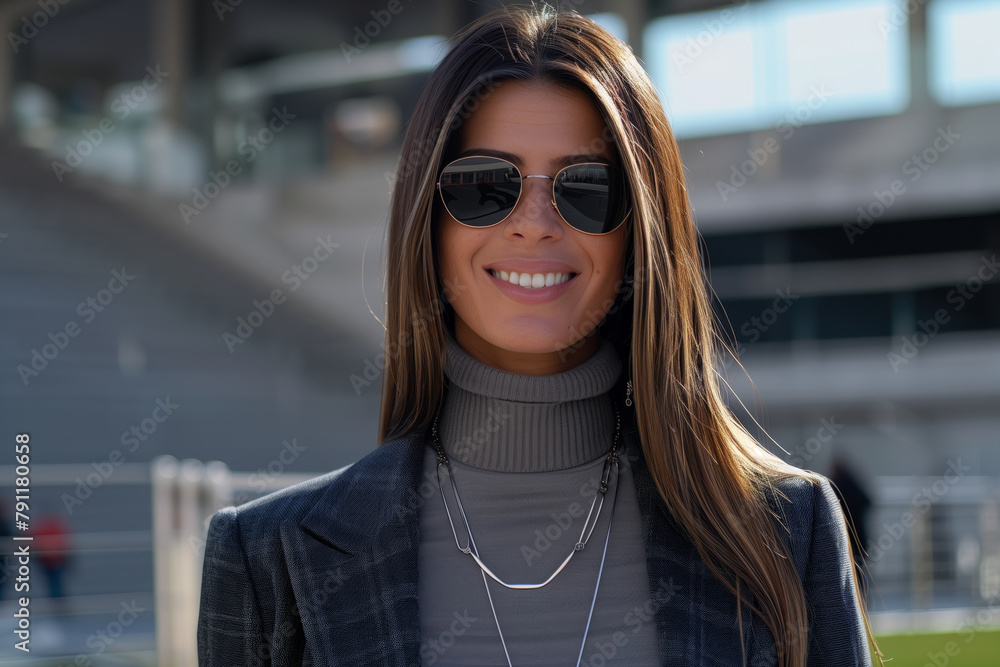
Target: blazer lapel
point(359, 544)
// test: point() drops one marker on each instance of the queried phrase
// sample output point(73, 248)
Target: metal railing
point(934, 542)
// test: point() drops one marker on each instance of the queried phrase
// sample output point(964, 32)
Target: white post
point(921, 563)
point(189, 557)
point(989, 552)
point(185, 496)
point(164, 475)
point(219, 488)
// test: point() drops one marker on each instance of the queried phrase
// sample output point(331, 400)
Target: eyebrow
point(555, 163)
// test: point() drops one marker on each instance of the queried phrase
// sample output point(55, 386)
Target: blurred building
point(842, 159)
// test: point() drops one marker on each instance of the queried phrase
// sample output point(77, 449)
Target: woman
point(559, 480)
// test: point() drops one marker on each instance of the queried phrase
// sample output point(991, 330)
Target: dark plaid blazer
point(325, 573)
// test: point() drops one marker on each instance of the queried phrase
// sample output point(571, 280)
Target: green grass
point(970, 648)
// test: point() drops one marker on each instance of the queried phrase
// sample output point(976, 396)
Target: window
point(757, 65)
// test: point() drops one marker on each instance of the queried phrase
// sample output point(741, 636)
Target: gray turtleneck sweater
point(527, 454)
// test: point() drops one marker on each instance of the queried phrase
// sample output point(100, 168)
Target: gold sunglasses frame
point(520, 191)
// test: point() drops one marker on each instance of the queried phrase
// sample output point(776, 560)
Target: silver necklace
point(471, 550)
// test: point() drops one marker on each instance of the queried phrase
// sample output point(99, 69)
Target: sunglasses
point(481, 191)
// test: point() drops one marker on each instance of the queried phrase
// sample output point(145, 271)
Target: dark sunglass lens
point(480, 191)
point(592, 197)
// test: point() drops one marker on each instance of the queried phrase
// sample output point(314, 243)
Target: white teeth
point(532, 280)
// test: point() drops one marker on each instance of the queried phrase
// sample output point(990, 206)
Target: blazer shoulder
point(287, 503)
point(261, 515)
point(801, 507)
point(793, 496)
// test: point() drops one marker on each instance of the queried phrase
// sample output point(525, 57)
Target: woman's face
point(507, 326)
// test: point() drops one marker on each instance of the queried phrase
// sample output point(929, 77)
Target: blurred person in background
point(52, 549)
point(855, 502)
point(550, 368)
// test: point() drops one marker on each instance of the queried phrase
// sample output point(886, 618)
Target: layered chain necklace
point(470, 549)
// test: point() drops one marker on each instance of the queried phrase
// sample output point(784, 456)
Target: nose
point(535, 215)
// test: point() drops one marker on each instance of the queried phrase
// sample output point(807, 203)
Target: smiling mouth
point(532, 280)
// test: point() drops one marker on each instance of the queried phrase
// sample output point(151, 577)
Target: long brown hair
point(708, 469)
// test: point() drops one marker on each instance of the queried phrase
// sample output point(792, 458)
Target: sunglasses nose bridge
point(552, 191)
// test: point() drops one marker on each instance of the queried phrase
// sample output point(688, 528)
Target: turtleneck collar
point(507, 422)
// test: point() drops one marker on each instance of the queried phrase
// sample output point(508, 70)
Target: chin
point(539, 338)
